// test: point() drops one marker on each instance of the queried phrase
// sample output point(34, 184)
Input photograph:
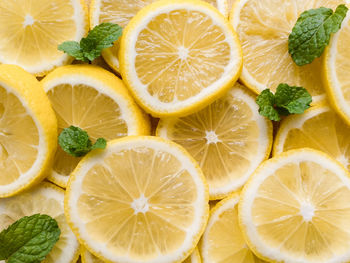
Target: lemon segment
point(295, 208)
point(222, 241)
point(319, 128)
point(143, 199)
point(30, 32)
point(95, 100)
point(178, 58)
point(228, 138)
point(47, 199)
point(28, 131)
point(336, 70)
point(263, 27)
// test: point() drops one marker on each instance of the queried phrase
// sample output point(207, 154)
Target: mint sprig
point(75, 141)
point(90, 47)
point(287, 100)
point(312, 32)
point(29, 239)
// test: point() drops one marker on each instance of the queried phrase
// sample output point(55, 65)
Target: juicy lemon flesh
point(326, 132)
point(302, 210)
point(135, 208)
point(180, 53)
point(222, 137)
point(342, 61)
point(264, 33)
point(30, 31)
point(19, 138)
point(84, 107)
point(28, 204)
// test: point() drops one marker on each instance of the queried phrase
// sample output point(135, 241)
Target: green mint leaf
point(295, 100)
point(99, 144)
point(100, 37)
point(312, 31)
point(29, 239)
point(72, 48)
point(266, 102)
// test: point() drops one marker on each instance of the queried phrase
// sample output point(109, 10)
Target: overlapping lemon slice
point(178, 58)
point(95, 100)
point(229, 139)
point(143, 199)
point(28, 131)
point(30, 32)
point(295, 208)
point(46, 199)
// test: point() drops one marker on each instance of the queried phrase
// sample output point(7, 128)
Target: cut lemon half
point(30, 32)
point(28, 131)
point(319, 128)
point(47, 199)
point(179, 57)
point(337, 66)
point(222, 241)
point(295, 208)
point(263, 27)
point(95, 100)
point(229, 139)
point(143, 199)
point(121, 12)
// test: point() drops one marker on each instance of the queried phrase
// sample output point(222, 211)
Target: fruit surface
point(28, 131)
point(143, 199)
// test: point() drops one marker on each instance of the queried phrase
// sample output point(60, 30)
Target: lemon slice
point(337, 66)
point(45, 199)
point(295, 208)
point(229, 139)
point(28, 131)
point(263, 27)
point(222, 241)
point(95, 100)
point(319, 128)
point(194, 258)
point(143, 199)
point(120, 12)
point(30, 32)
point(178, 58)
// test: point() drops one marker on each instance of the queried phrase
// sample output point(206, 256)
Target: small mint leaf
point(29, 239)
point(72, 48)
point(266, 102)
point(312, 31)
point(74, 141)
point(294, 99)
point(99, 144)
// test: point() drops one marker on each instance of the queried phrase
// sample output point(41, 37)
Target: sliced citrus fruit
point(47, 199)
point(120, 12)
point(337, 65)
point(194, 258)
point(95, 100)
point(295, 208)
point(263, 27)
point(319, 128)
point(30, 32)
point(222, 241)
point(229, 139)
point(178, 58)
point(143, 199)
point(87, 257)
point(28, 131)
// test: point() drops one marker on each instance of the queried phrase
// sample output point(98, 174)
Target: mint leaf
point(76, 142)
point(312, 31)
point(266, 102)
point(100, 37)
point(29, 239)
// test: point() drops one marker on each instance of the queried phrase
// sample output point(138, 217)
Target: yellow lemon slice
point(263, 27)
point(143, 199)
point(45, 199)
point(229, 139)
point(30, 32)
point(222, 241)
point(95, 100)
point(28, 131)
point(178, 58)
point(295, 208)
